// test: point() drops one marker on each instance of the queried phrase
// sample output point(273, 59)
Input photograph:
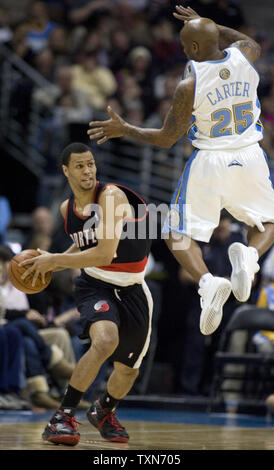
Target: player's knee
point(105, 344)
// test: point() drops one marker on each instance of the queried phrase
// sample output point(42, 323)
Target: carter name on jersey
point(228, 90)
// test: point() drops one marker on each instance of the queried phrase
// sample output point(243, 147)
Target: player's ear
point(195, 47)
point(65, 170)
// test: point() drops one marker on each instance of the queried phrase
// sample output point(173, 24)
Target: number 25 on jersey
point(230, 122)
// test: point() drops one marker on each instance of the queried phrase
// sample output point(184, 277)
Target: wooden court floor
point(144, 435)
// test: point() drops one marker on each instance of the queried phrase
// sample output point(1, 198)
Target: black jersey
point(130, 260)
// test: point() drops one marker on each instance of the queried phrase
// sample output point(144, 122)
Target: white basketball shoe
point(244, 266)
point(214, 292)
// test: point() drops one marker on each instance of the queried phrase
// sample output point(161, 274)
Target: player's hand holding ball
point(31, 270)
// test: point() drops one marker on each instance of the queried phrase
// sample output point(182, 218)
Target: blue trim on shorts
point(176, 218)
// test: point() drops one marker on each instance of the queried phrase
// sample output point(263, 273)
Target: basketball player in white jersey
point(216, 105)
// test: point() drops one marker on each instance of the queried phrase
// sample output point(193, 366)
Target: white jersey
point(226, 108)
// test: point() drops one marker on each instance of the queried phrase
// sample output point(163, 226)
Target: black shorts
point(129, 307)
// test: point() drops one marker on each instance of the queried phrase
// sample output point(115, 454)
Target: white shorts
point(235, 180)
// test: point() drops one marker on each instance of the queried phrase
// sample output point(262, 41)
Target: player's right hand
point(185, 14)
point(105, 130)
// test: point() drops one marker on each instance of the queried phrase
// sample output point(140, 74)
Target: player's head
point(200, 39)
point(79, 166)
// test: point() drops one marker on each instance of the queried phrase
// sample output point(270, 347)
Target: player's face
point(81, 171)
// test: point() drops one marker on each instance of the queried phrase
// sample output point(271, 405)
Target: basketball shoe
point(106, 423)
point(62, 429)
point(244, 266)
point(214, 292)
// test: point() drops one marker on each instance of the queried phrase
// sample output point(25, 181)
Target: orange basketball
point(15, 272)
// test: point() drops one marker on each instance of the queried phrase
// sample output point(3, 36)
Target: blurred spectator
point(41, 240)
point(41, 358)
point(140, 67)
point(5, 30)
point(41, 225)
point(267, 268)
point(59, 44)
point(39, 26)
point(129, 92)
point(96, 81)
point(264, 340)
point(121, 45)
point(166, 48)
point(62, 106)
point(49, 97)
point(17, 10)
point(11, 361)
point(264, 63)
point(44, 63)
point(5, 217)
point(165, 83)
point(228, 13)
point(134, 113)
point(87, 12)
point(57, 10)
point(20, 46)
point(135, 4)
point(156, 119)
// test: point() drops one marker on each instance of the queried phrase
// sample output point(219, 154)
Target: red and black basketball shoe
point(106, 423)
point(62, 429)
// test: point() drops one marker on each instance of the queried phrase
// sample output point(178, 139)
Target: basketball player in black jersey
point(113, 299)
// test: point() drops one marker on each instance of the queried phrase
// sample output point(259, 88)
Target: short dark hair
point(6, 253)
point(75, 147)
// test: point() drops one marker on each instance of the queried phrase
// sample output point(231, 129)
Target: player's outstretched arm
point(175, 124)
point(228, 36)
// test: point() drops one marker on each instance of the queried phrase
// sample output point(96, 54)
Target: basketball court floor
point(148, 430)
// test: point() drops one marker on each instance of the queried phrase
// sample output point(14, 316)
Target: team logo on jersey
point(224, 74)
point(101, 306)
point(174, 218)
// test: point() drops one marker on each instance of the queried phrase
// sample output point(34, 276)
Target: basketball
point(15, 272)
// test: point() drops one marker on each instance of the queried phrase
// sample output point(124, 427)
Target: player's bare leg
point(121, 380)
point(262, 241)
point(189, 256)
point(214, 291)
point(244, 259)
point(104, 341)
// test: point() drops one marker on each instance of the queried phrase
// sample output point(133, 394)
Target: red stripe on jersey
point(135, 267)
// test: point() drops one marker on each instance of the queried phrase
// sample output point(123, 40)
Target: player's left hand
point(105, 130)
point(39, 265)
